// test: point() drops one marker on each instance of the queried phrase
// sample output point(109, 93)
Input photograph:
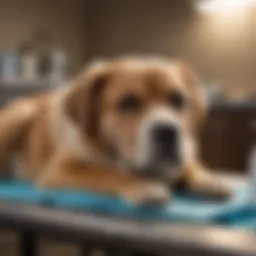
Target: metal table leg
point(27, 243)
point(87, 250)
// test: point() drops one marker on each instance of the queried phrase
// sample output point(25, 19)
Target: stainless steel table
point(122, 235)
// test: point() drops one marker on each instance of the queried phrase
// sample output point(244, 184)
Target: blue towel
point(237, 212)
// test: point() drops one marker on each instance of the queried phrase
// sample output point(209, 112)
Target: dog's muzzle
point(165, 146)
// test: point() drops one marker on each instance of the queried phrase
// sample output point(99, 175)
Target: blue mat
point(237, 212)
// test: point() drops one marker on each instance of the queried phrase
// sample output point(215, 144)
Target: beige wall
point(64, 21)
point(219, 46)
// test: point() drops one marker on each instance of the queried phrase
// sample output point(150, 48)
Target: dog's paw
point(155, 194)
point(212, 187)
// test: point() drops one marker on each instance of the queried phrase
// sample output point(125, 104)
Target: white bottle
point(29, 63)
point(58, 66)
point(252, 170)
point(29, 67)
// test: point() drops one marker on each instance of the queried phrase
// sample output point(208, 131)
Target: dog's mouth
point(160, 151)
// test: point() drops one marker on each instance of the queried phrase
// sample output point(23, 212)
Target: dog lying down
point(126, 127)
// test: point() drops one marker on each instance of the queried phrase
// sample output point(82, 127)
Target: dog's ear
point(83, 101)
point(198, 106)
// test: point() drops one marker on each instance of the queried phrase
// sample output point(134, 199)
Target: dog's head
point(142, 113)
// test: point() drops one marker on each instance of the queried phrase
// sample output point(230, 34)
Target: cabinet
point(229, 135)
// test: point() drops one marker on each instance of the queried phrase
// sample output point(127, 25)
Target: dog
point(125, 127)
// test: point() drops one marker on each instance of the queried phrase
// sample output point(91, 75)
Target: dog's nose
point(165, 139)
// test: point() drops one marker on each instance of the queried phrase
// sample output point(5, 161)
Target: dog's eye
point(177, 100)
point(130, 103)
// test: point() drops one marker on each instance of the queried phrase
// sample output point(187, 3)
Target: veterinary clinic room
point(128, 127)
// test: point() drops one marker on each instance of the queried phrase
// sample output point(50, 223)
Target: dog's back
point(20, 120)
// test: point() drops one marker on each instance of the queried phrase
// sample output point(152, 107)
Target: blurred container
point(9, 66)
point(58, 66)
point(29, 63)
point(252, 169)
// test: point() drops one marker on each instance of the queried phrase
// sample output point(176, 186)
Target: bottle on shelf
point(29, 63)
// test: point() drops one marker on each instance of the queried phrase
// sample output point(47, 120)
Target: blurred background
point(45, 43)
point(54, 39)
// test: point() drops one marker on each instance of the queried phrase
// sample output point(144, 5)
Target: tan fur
point(65, 139)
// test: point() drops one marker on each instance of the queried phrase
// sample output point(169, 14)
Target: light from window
point(209, 6)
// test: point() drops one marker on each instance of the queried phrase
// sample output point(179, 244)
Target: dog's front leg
point(197, 180)
point(66, 172)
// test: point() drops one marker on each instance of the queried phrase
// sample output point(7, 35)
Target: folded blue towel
point(237, 212)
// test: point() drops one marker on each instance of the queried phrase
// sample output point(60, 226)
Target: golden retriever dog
point(125, 127)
